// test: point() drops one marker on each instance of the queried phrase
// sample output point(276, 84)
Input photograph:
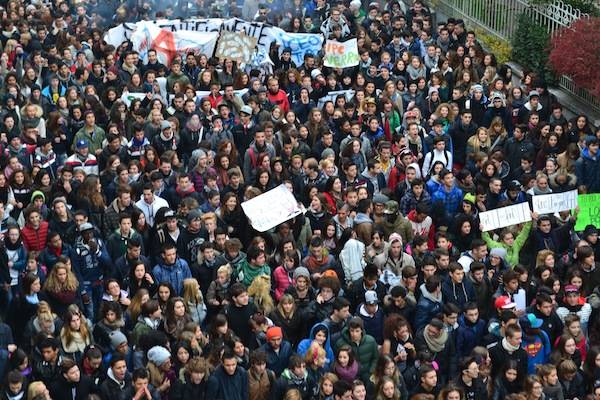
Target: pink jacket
point(282, 281)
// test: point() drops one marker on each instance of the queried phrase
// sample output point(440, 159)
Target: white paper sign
point(556, 202)
point(505, 216)
point(271, 208)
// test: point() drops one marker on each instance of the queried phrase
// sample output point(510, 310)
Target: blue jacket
point(304, 344)
point(92, 267)
point(427, 307)
point(537, 348)
point(458, 294)
point(49, 259)
point(587, 169)
point(469, 335)
point(451, 200)
point(373, 324)
point(278, 362)
point(173, 274)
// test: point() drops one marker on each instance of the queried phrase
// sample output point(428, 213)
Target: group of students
point(129, 270)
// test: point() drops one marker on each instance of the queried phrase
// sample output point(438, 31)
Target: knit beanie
point(117, 338)
point(158, 355)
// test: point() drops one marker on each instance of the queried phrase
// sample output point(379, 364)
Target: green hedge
point(530, 47)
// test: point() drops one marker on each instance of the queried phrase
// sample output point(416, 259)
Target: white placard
point(555, 202)
point(505, 216)
point(271, 208)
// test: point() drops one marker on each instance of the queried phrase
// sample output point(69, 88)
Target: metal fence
point(499, 18)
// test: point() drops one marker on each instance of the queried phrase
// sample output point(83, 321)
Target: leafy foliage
point(575, 52)
point(530, 44)
point(501, 48)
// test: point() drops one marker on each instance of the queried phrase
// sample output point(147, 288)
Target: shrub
point(530, 45)
point(575, 51)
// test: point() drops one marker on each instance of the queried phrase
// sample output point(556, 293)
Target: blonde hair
point(540, 259)
point(314, 352)
point(209, 216)
point(135, 306)
point(53, 285)
point(191, 291)
point(225, 269)
point(68, 335)
point(475, 142)
point(286, 299)
point(260, 291)
point(35, 389)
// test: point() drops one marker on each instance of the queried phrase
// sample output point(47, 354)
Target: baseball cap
point(315, 73)
point(504, 303)
point(86, 226)
point(371, 297)
point(391, 207)
point(82, 144)
point(530, 321)
point(246, 110)
point(192, 215)
point(380, 198)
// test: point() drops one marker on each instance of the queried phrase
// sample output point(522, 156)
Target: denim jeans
point(95, 294)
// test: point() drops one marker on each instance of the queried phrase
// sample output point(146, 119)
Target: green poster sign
point(589, 211)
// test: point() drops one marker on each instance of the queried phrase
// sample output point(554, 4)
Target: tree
point(530, 44)
point(575, 52)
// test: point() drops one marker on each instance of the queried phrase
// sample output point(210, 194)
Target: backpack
point(431, 153)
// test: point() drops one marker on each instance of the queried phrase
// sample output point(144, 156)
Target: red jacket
point(35, 240)
point(280, 99)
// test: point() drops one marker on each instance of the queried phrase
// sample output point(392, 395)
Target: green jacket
point(395, 121)
point(366, 352)
point(246, 272)
point(94, 139)
point(512, 252)
point(181, 78)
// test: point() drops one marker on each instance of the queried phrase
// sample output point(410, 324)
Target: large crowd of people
point(129, 270)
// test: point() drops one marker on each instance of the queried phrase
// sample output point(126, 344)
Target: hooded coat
point(304, 344)
point(428, 306)
point(366, 352)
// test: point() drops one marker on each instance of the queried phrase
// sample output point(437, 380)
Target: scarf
point(12, 246)
point(435, 344)
point(509, 347)
point(32, 298)
point(151, 323)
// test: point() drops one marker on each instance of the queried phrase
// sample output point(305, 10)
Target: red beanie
point(274, 332)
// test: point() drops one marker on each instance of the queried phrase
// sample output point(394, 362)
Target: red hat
point(274, 332)
point(571, 289)
point(504, 302)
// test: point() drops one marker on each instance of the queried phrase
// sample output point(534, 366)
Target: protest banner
point(168, 44)
point(270, 209)
point(235, 46)
point(555, 202)
point(341, 55)
point(505, 216)
point(589, 211)
point(265, 34)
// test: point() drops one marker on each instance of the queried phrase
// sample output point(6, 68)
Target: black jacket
point(61, 389)
point(500, 356)
point(188, 391)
